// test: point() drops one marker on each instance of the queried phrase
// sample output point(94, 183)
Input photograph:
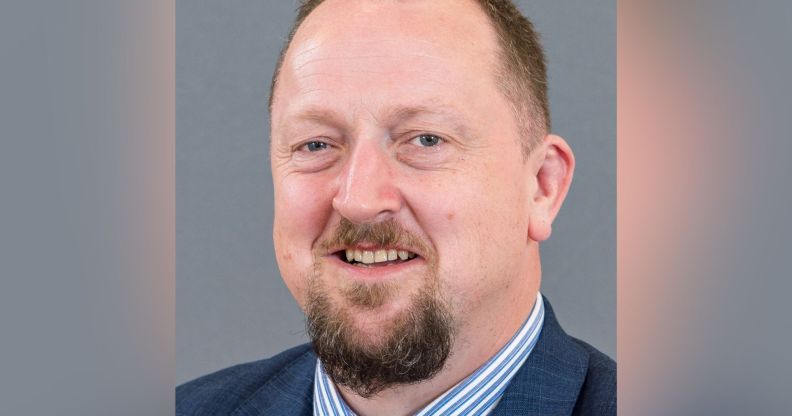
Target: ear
point(555, 165)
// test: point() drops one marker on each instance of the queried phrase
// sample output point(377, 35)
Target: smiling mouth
point(375, 258)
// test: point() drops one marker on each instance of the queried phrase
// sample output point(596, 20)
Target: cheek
point(302, 210)
point(450, 213)
point(478, 225)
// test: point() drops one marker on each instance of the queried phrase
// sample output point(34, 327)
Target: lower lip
point(386, 272)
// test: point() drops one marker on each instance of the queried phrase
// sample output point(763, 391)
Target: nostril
point(365, 198)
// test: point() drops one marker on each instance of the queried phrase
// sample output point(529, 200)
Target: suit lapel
point(288, 393)
point(547, 384)
point(550, 380)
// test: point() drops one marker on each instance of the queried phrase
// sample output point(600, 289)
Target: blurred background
point(87, 207)
point(704, 198)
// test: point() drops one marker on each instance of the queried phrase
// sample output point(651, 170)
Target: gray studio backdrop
point(231, 305)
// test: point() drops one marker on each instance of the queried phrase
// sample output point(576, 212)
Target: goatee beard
point(413, 346)
point(416, 345)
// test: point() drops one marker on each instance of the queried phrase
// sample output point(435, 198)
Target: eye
point(314, 146)
point(314, 155)
point(427, 140)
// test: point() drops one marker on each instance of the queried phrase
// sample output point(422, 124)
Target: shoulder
point(585, 375)
point(598, 392)
point(223, 391)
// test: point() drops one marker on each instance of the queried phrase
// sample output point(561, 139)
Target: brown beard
point(416, 342)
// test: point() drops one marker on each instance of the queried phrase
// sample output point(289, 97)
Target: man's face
point(388, 114)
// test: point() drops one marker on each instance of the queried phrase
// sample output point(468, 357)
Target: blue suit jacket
point(562, 376)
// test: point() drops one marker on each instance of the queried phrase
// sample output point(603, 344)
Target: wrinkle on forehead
point(322, 76)
point(342, 57)
point(316, 51)
point(432, 27)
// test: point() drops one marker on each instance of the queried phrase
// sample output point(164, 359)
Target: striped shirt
point(478, 394)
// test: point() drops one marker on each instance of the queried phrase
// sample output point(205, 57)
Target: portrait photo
point(395, 207)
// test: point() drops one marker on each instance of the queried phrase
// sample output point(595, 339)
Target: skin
point(367, 79)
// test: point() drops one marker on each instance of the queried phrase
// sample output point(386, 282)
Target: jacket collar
point(551, 378)
point(548, 382)
point(290, 392)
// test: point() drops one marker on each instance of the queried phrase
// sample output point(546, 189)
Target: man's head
point(413, 180)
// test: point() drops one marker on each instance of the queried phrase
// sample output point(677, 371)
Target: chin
point(379, 322)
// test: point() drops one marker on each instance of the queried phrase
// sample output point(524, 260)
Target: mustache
point(388, 233)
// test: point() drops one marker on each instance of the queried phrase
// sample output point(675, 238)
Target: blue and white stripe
point(478, 394)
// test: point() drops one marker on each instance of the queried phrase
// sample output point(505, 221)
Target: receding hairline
point(519, 66)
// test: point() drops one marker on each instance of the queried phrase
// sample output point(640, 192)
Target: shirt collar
point(477, 394)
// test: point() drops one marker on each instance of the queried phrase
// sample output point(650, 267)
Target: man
point(414, 178)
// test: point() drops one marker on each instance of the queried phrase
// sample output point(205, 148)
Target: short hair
point(521, 73)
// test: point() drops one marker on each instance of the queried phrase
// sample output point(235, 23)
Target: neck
point(475, 344)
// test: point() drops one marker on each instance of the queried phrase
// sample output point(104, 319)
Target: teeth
point(368, 257)
point(377, 256)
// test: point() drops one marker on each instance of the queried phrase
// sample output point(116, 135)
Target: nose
point(367, 192)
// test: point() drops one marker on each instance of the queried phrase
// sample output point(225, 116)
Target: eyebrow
point(315, 115)
point(392, 116)
point(445, 114)
point(401, 114)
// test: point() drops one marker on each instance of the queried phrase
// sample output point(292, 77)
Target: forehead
point(388, 54)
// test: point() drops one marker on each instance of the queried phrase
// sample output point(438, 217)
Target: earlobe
point(539, 229)
point(553, 177)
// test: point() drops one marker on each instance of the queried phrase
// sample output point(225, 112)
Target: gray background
point(231, 305)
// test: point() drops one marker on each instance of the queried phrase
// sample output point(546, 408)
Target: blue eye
point(315, 146)
point(428, 140)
